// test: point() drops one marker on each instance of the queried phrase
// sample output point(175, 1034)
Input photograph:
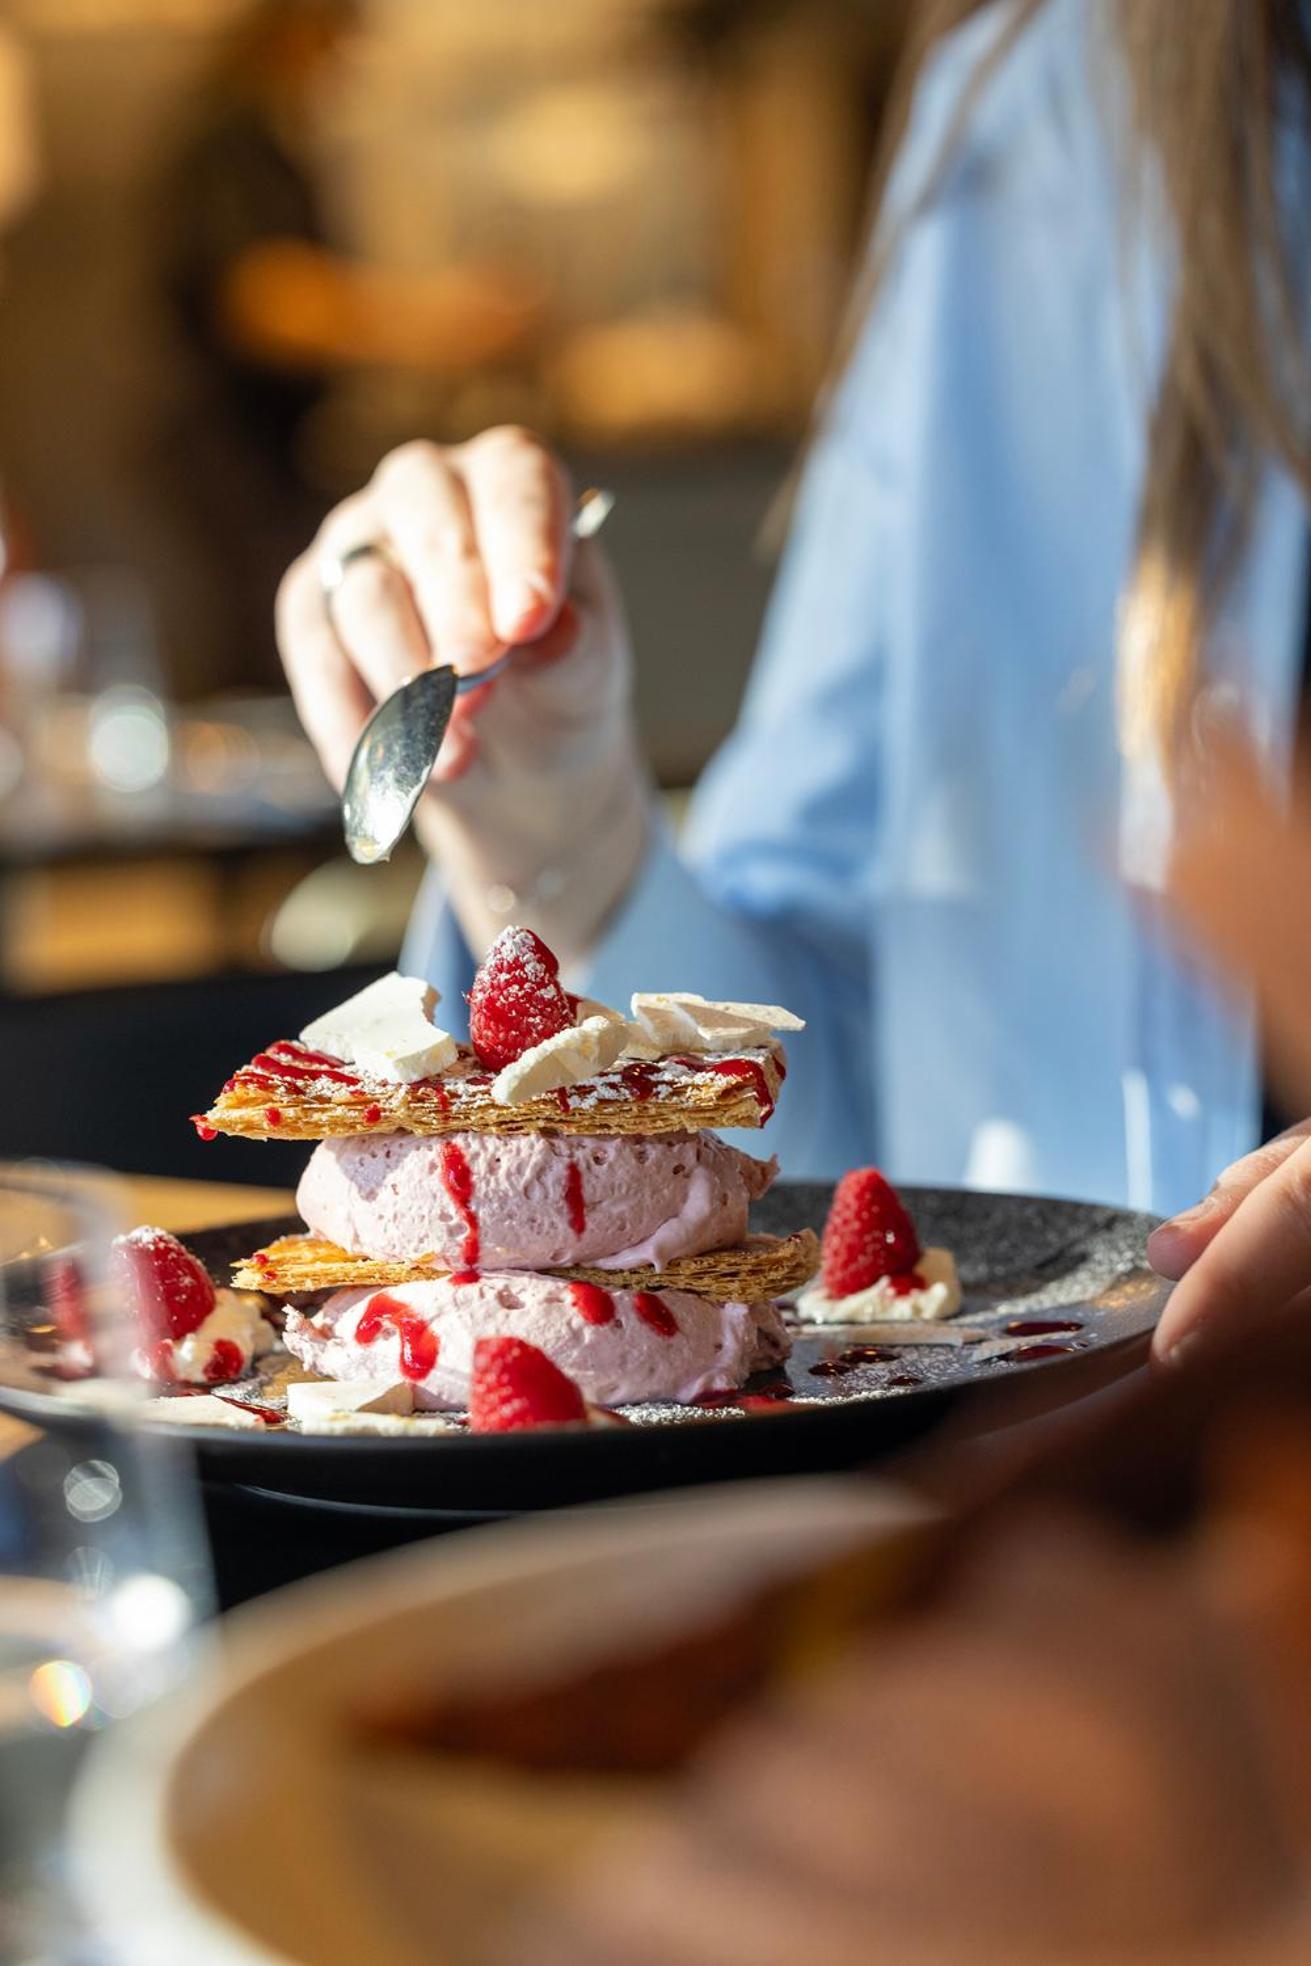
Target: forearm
point(555, 854)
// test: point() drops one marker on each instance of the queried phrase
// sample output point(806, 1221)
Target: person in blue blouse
point(1054, 508)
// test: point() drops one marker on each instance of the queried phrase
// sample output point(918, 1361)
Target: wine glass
point(103, 1567)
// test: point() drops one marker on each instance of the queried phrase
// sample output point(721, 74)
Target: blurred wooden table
point(181, 1206)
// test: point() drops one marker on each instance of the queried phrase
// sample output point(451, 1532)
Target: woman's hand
point(538, 802)
point(1243, 1251)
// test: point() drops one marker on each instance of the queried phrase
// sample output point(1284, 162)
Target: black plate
point(1020, 1259)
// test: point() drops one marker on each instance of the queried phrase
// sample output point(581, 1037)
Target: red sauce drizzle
point(372, 1114)
point(830, 1368)
point(1042, 1327)
point(766, 1399)
point(290, 1064)
point(273, 1116)
point(440, 1094)
point(268, 1414)
point(418, 1341)
point(639, 1080)
point(1037, 1351)
point(573, 1198)
point(457, 1179)
point(562, 1098)
point(225, 1362)
point(203, 1127)
point(749, 1069)
point(868, 1354)
point(466, 1276)
point(655, 1313)
point(593, 1305)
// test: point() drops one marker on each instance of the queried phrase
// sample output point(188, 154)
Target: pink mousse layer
point(712, 1348)
point(540, 1200)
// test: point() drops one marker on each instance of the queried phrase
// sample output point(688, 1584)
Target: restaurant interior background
point(628, 223)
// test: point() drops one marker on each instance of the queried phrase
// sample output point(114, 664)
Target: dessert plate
point(1060, 1288)
point(386, 1859)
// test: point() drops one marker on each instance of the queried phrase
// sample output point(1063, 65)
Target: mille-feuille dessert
point(547, 1199)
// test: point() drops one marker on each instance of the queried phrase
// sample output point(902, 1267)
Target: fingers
point(372, 608)
point(520, 499)
point(424, 506)
point(1259, 1260)
point(1176, 1245)
point(331, 699)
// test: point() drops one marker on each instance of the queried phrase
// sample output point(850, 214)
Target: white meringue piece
point(680, 1020)
point(569, 1058)
point(386, 1031)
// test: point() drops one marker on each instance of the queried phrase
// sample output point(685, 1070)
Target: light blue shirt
point(912, 836)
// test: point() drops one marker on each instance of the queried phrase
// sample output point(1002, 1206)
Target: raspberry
point(516, 1000)
point(225, 1362)
point(868, 1234)
point(170, 1291)
point(514, 1385)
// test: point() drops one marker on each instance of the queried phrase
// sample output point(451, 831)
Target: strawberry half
point(868, 1234)
point(517, 1000)
point(170, 1291)
point(514, 1385)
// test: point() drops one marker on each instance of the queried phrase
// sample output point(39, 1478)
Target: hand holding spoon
point(395, 753)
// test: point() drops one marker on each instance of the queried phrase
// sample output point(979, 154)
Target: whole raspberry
point(516, 1000)
point(169, 1289)
point(514, 1385)
point(868, 1234)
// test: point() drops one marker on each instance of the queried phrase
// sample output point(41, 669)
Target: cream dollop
point(884, 1302)
point(236, 1319)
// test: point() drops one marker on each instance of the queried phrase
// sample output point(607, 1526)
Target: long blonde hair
point(1215, 89)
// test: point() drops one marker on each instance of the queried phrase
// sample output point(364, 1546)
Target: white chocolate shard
point(203, 1410)
point(396, 1426)
point(680, 1020)
point(590, 1007)
point(386, 1031)
point(327, 1399)
point(568, 1058)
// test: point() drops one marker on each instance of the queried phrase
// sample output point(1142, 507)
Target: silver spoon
point(395, 752)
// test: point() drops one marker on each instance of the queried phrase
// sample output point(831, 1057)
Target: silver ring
point(333, 567)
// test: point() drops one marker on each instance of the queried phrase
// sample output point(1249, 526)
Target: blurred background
point(243, 251)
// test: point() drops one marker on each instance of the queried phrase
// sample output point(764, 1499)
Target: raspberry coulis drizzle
point(268, 1414)
point(457, 1179)
point(748, 1069)
point(574, 1202)
point(655, 1313)
point(290, 1064)
point(593, 1305)
point(639, 1081)
point(1055, 1350)
point(418, 1341)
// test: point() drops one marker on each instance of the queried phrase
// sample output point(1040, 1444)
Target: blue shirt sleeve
point(769, 894)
